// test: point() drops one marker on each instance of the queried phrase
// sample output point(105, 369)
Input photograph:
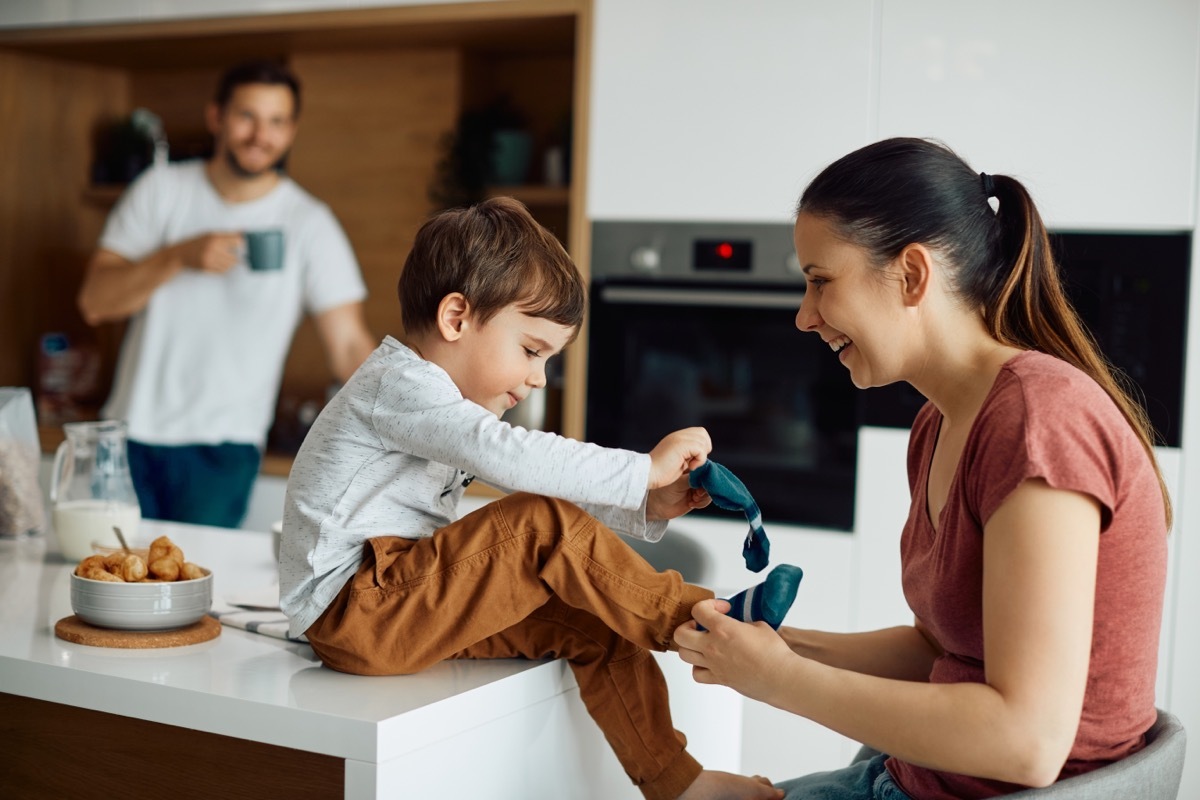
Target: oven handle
point(701, 297)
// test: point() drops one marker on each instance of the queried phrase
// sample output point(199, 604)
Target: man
point(201, 363)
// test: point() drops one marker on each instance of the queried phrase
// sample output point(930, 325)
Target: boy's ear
point(453, 314)
point(916, 272)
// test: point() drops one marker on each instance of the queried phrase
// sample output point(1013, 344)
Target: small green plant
point(467, 164)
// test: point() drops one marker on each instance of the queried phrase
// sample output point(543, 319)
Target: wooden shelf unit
point(534, 196)
point(381, 88)
point(103, 195)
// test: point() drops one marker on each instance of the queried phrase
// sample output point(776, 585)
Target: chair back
point(1152, 773)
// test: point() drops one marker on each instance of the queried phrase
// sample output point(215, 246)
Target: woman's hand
point(675, 500)
point(751, 659)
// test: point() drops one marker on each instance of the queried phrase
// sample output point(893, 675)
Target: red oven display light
point(724, 255)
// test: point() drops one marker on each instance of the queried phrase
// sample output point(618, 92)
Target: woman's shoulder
point(1036, 364)
point(1041, 397)
point(1039, 377)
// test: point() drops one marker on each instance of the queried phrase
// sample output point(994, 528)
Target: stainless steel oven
point(694, 324)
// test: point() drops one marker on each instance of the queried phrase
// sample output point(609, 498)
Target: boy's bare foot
point(710, 785)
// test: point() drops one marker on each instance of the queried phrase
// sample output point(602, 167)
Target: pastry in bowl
point(127, 591)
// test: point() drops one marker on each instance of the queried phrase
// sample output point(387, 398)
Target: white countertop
point(243, 684)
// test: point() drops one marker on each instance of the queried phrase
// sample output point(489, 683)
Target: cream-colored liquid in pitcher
point(78, 523)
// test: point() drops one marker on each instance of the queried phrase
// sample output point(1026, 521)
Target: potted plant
point(489, 146)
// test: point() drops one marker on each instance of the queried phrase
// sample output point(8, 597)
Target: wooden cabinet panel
point(54, 750)
point(47, 230)
point(368, 143)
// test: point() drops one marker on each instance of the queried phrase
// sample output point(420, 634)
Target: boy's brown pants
point(533, 577)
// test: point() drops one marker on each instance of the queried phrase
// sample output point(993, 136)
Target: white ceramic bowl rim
point(142, 605)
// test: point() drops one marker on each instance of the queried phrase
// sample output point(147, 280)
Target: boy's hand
point(675, 500)
point(678, 454)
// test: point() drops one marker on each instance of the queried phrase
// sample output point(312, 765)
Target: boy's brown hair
point(496, 254)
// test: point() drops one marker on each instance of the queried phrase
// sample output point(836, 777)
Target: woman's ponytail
point(1031, 311)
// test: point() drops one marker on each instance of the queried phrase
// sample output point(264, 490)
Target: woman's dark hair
point(888, 195)
point(496, 254)
point(261, 71)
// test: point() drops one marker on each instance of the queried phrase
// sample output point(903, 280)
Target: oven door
point(781, 410)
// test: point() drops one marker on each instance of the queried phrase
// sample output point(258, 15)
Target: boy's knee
point(542, 511)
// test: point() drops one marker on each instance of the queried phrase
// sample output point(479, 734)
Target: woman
point(1034, 553)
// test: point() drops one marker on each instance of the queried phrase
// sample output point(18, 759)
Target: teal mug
point(511, 150)
point(264, 250)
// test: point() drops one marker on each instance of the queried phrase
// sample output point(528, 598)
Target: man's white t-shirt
point(202, 362)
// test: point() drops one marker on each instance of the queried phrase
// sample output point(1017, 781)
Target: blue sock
point(770, 600)
point(731, 494)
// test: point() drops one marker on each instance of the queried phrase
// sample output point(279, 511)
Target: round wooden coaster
point(73, 629)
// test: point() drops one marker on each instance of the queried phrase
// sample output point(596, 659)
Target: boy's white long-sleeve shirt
point(390, 455)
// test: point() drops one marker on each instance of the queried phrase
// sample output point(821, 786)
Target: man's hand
point(116, 288)
point(211, 252)
point(675, 500)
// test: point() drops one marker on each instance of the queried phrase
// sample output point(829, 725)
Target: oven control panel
point(711, 252)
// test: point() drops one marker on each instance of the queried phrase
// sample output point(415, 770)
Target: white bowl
point(143, 606)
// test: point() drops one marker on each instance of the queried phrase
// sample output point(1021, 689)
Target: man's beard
point(235, 165)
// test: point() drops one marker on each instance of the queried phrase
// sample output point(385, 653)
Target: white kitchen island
point(219, 718)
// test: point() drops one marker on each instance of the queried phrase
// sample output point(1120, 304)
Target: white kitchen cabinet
point(775, 743)
point(710, 109)
point(1091, 104)
point(265, 506)
point(719, 110)
point(881, 503)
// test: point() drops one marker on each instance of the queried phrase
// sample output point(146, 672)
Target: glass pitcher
point(91, 489)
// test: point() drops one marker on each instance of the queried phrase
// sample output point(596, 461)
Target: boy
point(378, 572)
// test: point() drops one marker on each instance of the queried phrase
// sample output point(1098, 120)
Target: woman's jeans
point(862, 780)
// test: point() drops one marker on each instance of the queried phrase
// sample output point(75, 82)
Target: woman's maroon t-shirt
point(1042, 419)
